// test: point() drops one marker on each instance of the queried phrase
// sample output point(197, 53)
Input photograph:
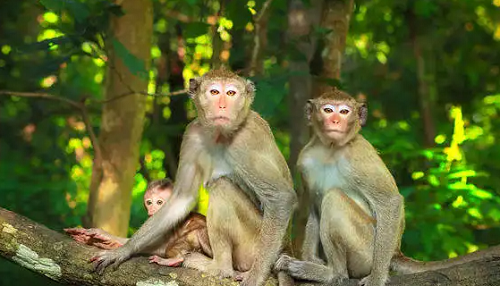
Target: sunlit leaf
point(466, 173)
point(482, 194)
point(474, 212)
point(78, 10)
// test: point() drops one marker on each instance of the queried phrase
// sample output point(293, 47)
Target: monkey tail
point(405, 265)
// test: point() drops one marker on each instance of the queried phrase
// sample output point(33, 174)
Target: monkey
point(239, 221)
point(227, 139)
point(356, 210)
point(190, 236)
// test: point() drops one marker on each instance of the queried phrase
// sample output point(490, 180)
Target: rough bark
point(58, 257)
point(336, 17)
point(122, 122)
point(302, 44)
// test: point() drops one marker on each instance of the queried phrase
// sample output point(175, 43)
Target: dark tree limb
point(58, 257)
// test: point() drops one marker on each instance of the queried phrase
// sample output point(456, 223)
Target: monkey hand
point(283, 263)
point(113, 257)
point(171, 262)
point(80, 235)
point(374, 280)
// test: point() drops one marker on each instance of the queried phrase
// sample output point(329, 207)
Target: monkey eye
point(149, 202)
point(327, 110)
point(344, 111)
point(214, 92)
point(159, 202)
point(231, 93)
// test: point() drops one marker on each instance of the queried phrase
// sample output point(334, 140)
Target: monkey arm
point(183, 200)
point(278, 199)
point(311, 239)
point(309, 250)
point(176, 209)
point(386, 203)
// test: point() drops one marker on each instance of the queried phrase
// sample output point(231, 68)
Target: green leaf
point(134, 64)
point(78, 10)
point(466, 173)
point(196, 29)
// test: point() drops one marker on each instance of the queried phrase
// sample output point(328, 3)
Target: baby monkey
point(190, 236)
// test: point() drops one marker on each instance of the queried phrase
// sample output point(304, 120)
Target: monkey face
point(223, 100)
point(335, 119)
point(155, 199)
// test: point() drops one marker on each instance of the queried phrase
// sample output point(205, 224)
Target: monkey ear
point(250, 88)
point(309, 109)
point(363, 113)
point(194, 83)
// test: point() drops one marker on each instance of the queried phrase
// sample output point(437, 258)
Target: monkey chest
point(217, 165)
point(324, 177)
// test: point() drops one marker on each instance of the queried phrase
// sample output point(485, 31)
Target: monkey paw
point(240, 276)
point(283, 263)
point(110, 257)
point(171, 262)
point(371, 280)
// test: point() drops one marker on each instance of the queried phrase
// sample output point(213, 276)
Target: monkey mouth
point(221, 119)
point(333, 131)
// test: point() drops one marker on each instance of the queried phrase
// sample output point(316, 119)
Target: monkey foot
point(240, 276)
point(369, 280)
point(171, 262)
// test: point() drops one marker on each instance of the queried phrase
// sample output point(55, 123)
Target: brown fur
point(243, 151)
point(357, 213)
point(189, 236)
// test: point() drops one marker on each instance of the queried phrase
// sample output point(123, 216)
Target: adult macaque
point(226, 140)
point(356, 210)
point(189, 236)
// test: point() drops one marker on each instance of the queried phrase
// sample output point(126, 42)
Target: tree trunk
point(424, 90)
point(301, 49)
point(56, 256)
point(336, 18)
point(122, 122)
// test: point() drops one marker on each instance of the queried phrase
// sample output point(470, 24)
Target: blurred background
point(92, 92)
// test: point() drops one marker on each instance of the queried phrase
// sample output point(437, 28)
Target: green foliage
point(451, 189)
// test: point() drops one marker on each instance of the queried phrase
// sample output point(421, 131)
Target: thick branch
point(56, 256)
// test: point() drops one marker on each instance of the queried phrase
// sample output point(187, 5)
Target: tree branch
point(259, 38)
point(58, 257)
point(78, 105)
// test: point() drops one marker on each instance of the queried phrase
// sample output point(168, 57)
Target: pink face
point(335, 119)
point(225, 101)
point(155, 199)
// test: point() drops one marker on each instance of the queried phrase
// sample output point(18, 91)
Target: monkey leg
point(233, 225)
point(346, 234)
